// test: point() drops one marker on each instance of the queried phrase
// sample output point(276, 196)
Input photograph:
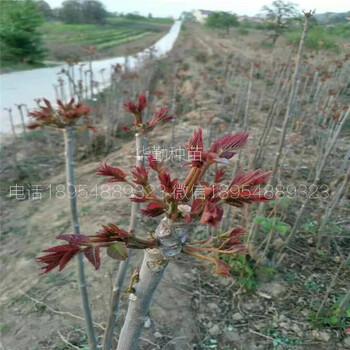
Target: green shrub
point(341, 30)
point(317, 39)
point(242, 31)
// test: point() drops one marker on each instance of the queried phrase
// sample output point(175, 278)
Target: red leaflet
point(152, 162)
point(225, 145)
point(139, 198)
point(220, 152)
point(93, 255)
point(196, 142)
point(222, 268)
point(238, 198)
point(168, 184)
point(242, 189)
point(62, 116)
point(212, 193)
point(130, 107)
point(160, 117)
point(197, 206)
point(141, 102)
point(194, 146)
point(117, 174)
point(153, 210)
point(33, 126)
point(140, 175)
point(231, 239)
point(136, 108)
point(110, 233)
point(155, 165)
point(75, 239)
point(250, 179)
point(219, 176)
point(212, 214)
point(59, 256)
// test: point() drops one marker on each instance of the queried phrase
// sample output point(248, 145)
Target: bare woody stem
point(317, 178)
point(70, 165)
point(151, 273)
point(171, 237)
point(123, 266)
point(291, 100)
point(331, 206)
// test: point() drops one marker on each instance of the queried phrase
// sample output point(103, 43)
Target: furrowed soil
point(193, 307)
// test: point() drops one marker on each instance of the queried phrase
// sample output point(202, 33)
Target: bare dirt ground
point(193, 308)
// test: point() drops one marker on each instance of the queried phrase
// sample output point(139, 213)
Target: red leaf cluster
point(61, 116)
point(160, 116)
point(62, 254)
point(116, 174)
point(90, 246)
point(221, 150)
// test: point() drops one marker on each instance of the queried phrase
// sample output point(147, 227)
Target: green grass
point(68, 40)
point(121, 41)
point(340, 30)
point(10, 66)
point(321, 38)
point(317, 39)
point(116, 31)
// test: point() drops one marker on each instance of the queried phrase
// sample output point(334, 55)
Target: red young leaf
point(93, 255)
point(219, 176)
point(140, 175)
point(222, 268)
point(160, 117)
point(196, 142)
point(153, 210)
point(117, 175)
point(75, 239)
point(212, 214)
point(59, 256)
point(225, 145)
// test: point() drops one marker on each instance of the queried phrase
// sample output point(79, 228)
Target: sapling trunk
point(123, 266)
point(270, 119)
point(71, 190)
point(9, 110)
point(347, 296)
point(14, 147)
point(331, 206)
point(171, 237)
point(317, 177)
point(292, 98)
point(173, 110)
point(140, 301)
point(23, 123)
point(246, 112)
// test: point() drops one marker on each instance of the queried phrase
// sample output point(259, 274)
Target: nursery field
point(286, 286)
point(116, 38)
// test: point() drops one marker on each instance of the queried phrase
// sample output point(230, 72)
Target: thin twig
point(67, 342)
point(67, 313)
point(172, 340)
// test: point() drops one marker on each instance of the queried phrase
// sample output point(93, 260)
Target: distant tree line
point(224, 20)
point(87, 11)
point(75, 11)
